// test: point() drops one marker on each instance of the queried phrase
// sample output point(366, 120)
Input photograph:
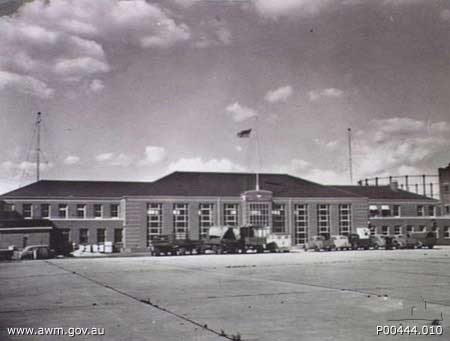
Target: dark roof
point(383, 192)
point(57, 188)
point(233, 184)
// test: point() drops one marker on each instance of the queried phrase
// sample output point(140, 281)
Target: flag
point(244, 133)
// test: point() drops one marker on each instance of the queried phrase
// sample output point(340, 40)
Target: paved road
point(297, 296)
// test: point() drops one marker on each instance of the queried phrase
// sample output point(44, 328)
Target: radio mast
point(38, 145)
point(350, 161)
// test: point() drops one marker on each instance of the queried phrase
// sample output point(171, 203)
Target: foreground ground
point(297, 296)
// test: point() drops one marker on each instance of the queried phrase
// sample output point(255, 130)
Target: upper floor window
point(205, 215)
point(373, 211)
point(323, 218)
point(27, 211)
point(10, 207)
point(258, 214)
point(300, 224)
point(447, 209)
point(279, 218)
point(98, 211)
point(63, 211)
point(45, 211)
point(230, 214)
point(385, 210)
point(81, 211)
point(345, 219)
point(446, 188)
point(432, 210)
point(420, 210)
point(396, 210)
point(114, 210)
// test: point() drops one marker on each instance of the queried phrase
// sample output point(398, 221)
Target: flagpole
point(258, 155)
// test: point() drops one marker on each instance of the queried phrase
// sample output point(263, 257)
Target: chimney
point(393, 185)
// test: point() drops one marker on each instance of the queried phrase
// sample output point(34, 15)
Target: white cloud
point(46, 42)
point(325, 93)
point(25, 84)
point(275, 8)
point(96, 85)
point(278, 95)
point(104, 157)
point(112, 159)
point(25, 166)
point(240, 113)
point(198, 164)
point(153, 155)
point(71, 160)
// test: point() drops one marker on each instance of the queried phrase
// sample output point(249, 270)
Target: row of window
point(83, 237)
point(257, 214)
point(395, 211)
point(397, 229)
point(63, 211)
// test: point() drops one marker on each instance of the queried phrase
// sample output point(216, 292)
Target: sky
point(135, 89)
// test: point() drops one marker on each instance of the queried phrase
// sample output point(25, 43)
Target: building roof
point(58, 188)
point(383, 193)
point(234, 184)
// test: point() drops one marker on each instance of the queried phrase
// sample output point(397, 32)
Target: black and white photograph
point(244, 170)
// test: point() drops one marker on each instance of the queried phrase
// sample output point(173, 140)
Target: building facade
point(186, 204)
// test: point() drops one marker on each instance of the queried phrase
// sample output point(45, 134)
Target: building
point(444, 186)
point(186, 204)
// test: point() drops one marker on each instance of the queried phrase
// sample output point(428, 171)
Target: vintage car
point(360, 243)
point(382, 241)
point(341, 242)
point(318, 243)
point(36, 252)
point(401, 241)
point(424, 239)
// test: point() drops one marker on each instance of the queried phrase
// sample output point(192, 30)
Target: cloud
point(153, 155)
point(213, 32)
point(112, 159)
point(25, 166)
point(198, 164)
point(48, 42)
point(240, 113)
point(96, 85)
point(331, 144)
point(278, 95)
point(71, 160)
point(25, 84)
point(325, 93)
point(274, 9)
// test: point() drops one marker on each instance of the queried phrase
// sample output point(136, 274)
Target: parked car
point(382, 241)
point(360, 243)
point(36, 252)
point(318, 243)
point(424, 239)
point(341, 242)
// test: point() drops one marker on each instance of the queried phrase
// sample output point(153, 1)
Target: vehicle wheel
point(156, 252)
point(259, 249)
point(430, 246)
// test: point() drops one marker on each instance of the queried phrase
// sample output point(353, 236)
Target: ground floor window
point(409, 228)
point(154, 221)
point(230, 214)
point(300, 224)
point(101, 236)
point(205, 215)
point(435, 229)
point(258, 214)
point(84, 236)
point(447, 232)
point(345, 219)
point(181, 221)
point(279, 218)
point(385, 230)
point(397, 229)
point(118, 235)
point(422, 228)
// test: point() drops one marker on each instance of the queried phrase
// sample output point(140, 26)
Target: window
point(422, 228)
point(205, 216)
point(323, 219)
point(181, 221)
point(63, 211)
point(385, 230)
point(27, 211)
point(114, 209)
point(81, 211)
point(409, 228)
point(397, 229)
point(447, 232)
point(373, 230)
point(345, 219)
point(45, 211)
point(373, 211)
point(435, 229)
point(118, 235)
point(301, 224)
point(447, 209)
point(420, 210)
point(396, 210)
point(84, 236)
point(279, 218)
point(431, 210)
point(230, 214)
point(98, 211)
point(154, 221)
point(10, 207)
point(101, 236)
point(385, 211)
point(446, 188)
point(258, 214)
